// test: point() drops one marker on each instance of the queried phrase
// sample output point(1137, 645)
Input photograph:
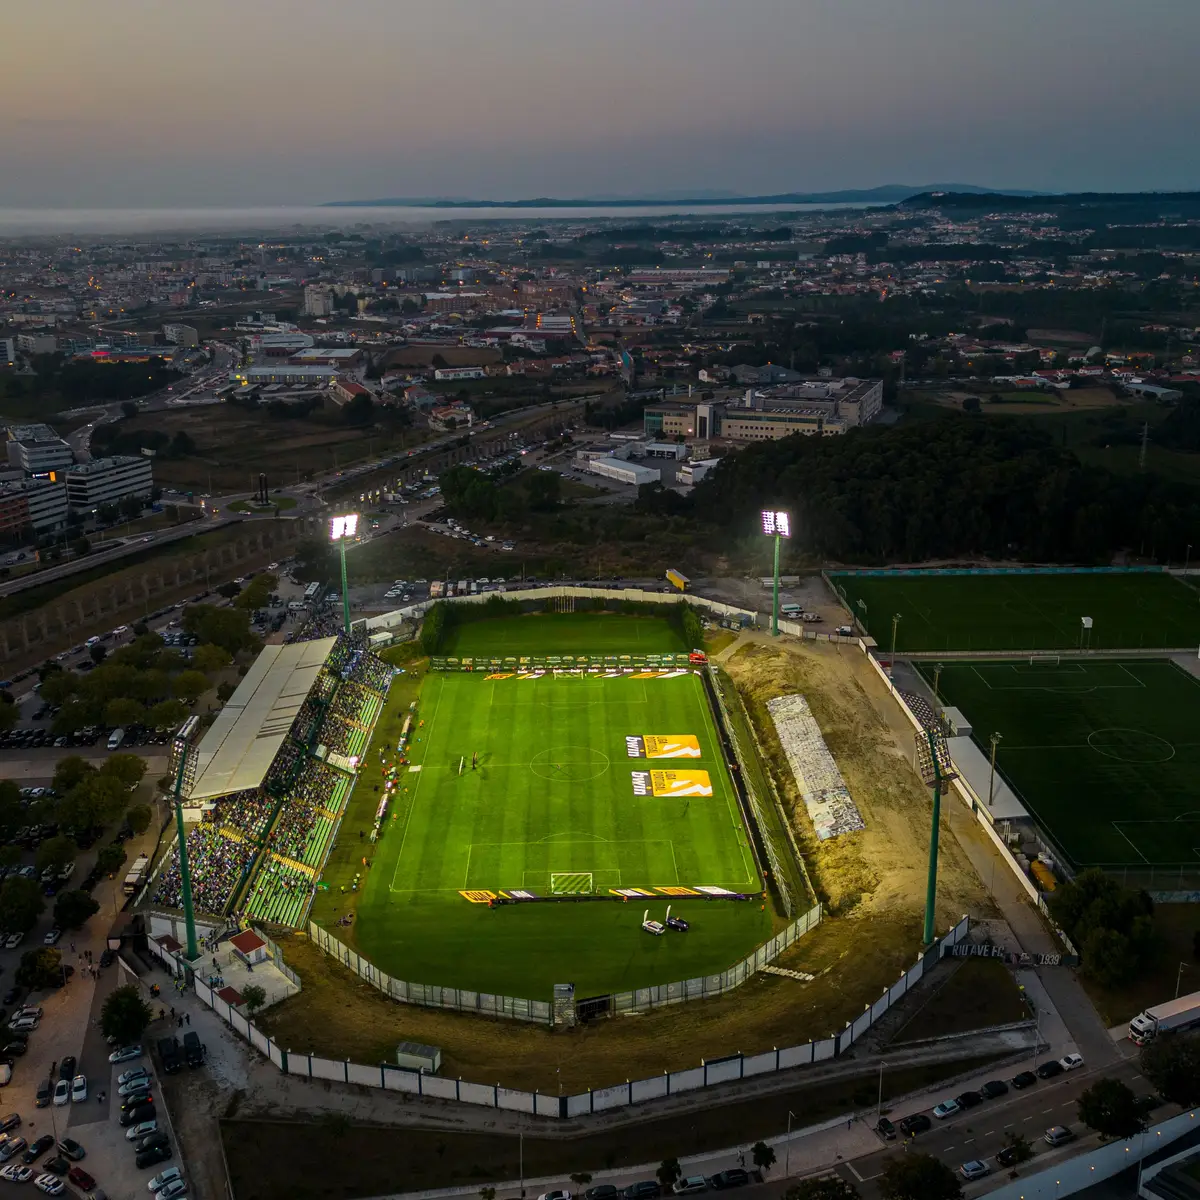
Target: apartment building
point(181, 335)
point(318, 301)
point(108, 480)
point(32, 505)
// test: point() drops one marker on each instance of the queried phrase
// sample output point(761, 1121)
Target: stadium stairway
point(293, 864)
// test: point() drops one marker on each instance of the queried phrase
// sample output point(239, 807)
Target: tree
point(228, 628)
point(8, 714)
point(59, 687)
point(1172, 1064)
point(1110, 1108)
point(73, 908)
point(167, 714)
point(1021, 1148)
point(139, 817)
point(125, 1015)
point(110, 858)
point(822, 1187)
point(41, 968)
point(55, 852)
point(224, 691)
point(211, 659)
point(971, 404)
point(21, 904)
point(98, 653)
point(189, 686)
point(129, 769)
point(122, 711)
point(545, 490)
point(668, 1171)
point(129, 409)
point(254, 997)
point(96, 801)
point(1110, 924)
point(763, 1156)
point(918, 1177)
point(581, 1178)
point(70, 771)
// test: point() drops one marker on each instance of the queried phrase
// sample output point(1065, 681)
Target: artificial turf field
point(1105, 754)
point(1026, 611)
point(550, 807)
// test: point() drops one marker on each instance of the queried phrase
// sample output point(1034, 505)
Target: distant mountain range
point(890, 193)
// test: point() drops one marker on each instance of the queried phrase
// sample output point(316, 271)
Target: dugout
point(418, 1057)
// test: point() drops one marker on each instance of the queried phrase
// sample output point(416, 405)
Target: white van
point(115, 739)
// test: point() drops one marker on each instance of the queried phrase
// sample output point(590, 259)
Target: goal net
point(571, 883)
point(1043, 660)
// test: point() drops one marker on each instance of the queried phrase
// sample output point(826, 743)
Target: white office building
point(108, 480)
point(624, 472)
point(37, 455)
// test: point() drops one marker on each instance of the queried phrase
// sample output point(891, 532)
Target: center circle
point(1131, 745)
point(569, 764)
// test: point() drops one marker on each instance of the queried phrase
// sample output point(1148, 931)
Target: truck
point(1172, 1016)
point(137, 874)
point(168, 1051)
point(194, 1050)
point(678, 579)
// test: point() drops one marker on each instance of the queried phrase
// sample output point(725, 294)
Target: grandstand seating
point(287, 826)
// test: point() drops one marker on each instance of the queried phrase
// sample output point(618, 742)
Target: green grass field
point(1026, 612)
point(562, 633)
point(550, 808)
point(1105, 754)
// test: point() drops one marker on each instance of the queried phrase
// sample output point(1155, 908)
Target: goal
point(1043, 660)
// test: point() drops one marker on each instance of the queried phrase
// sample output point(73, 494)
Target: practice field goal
point(571, 883)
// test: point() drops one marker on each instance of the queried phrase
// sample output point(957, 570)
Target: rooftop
point(242, 742)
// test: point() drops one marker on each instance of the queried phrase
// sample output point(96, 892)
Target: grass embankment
point(971, 993)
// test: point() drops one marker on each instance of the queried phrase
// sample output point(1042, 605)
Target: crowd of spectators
point(217, 866)
point(248, 811)
point(281, 894)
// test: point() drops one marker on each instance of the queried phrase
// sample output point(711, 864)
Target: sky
point(291, 102)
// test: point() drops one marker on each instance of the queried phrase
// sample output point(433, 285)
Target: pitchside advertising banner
point(671, 783)
point(526, 663)
point(662, 745)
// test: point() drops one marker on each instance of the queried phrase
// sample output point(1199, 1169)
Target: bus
point(312, 593)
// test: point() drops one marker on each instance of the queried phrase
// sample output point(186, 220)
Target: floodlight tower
point(340, 529)
point(778, 525)
point(936, 769)
point(183, 754)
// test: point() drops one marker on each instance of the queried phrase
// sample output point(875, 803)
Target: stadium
point(503, 822)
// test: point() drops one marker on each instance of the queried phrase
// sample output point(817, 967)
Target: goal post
point(1043, 660)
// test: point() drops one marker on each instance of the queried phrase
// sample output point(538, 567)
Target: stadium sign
point(671, 783)
point(662, 745)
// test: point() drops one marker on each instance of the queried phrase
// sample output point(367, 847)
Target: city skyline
point(295, 103)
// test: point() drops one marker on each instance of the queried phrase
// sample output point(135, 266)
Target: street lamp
point(341, 529)
point(995, 740)
point(778, 525)
point(936, 769)
point(863, 605)
point(892, 662)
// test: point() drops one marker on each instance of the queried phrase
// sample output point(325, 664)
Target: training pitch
point(1104, 754)
point(1025, 611)
point(557, 807)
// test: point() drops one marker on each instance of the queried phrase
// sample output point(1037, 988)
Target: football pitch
point(554, 806)
point(1104, 754)
point(1025, 611)
point(563, 633)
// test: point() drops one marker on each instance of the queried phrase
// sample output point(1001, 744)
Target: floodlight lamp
point(776, 523)
point(343, 527)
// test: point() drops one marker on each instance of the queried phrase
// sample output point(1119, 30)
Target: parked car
point(78, 1089)
point(1024, 1079)
point(993, 1089)
point(151, 1158)
point(1049, 1069)
point(125, 1053)
point(163, 1178)
point(38, 1148)
point(50, 1184)
point(10, 1121)
point(917, 1123)
point(734, 1177)
point(10, 1147)
point(135, 1116)
point(17, 1173)
point(689, 1184)
point(72, 1149)
point(66, 1068)
point(138, 1096)
point(1007, 1156)
point(947, 1108)
point(885, 1129)
point(151, 1140)
point(177, 1187)
point(1057, 1134)
point(81, 1179)
point(1071, 1062)
point(643, 1190)
point(975, 1169)
point(557, 1195)
point(42, 1099)
point(140, 1131)
point(139, 1083)
point(969, 1099)
point(62, 1093)
point(57, 1165)
point(602, 1191)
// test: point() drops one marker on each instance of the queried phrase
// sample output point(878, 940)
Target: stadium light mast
point(340, 529)
point(995, 740)
point(936, 769)
point(778, 525)
point(182, 748)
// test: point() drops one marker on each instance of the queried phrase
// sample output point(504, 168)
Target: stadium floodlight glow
point(776, 524)
point(341, 529)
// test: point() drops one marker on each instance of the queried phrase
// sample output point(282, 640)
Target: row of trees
point(481, 495)
point(956, 486)
point(1111, 925)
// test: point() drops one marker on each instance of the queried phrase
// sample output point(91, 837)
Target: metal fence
point(709, 1073)
point(429, 995)
point(277, 955)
